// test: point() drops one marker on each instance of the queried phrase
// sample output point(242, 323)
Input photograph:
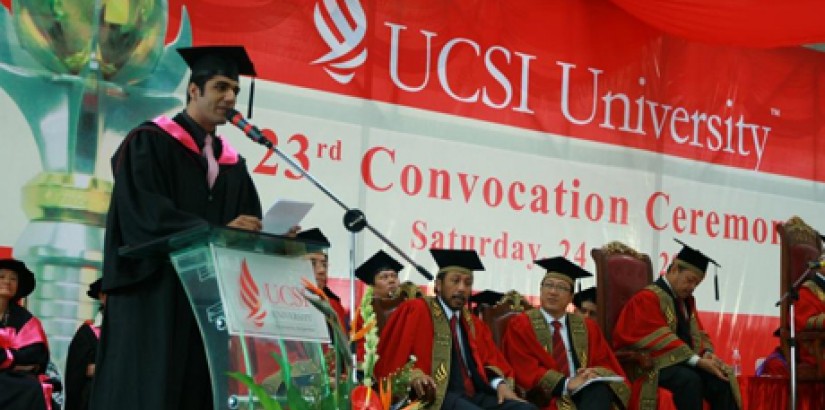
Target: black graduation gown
point(150, 354)
point(22, 391)
point(77, 384)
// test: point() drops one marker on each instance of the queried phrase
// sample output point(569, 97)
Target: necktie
point(559, 351)
point(211, 162)
point(683, 309)
point(469, 389)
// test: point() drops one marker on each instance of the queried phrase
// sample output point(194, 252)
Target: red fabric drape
point(771, 393)
point(748, 23)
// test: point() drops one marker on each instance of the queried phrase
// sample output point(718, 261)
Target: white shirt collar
point(448, 311)
point(550, 319)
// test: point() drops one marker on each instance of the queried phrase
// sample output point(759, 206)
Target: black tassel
point(251, 98)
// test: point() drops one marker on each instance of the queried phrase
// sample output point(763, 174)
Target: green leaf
point(267, 402)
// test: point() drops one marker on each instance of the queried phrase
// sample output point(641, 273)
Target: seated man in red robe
point(810, 311)
point(457, 364)
point(661, 320)
point(554, 353)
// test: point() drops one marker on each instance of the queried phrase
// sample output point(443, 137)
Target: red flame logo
point(251, 296)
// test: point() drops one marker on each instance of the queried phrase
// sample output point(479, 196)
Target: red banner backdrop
point(583, 69)
point(662, 77)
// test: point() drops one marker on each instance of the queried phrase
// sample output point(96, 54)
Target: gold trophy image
point(82, 73)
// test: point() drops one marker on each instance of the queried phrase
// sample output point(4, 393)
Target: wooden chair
point(497, 316)
point(799, 244)
point(621, 271)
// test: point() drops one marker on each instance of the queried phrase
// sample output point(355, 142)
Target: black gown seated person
point(80, 362)
point(24, 353)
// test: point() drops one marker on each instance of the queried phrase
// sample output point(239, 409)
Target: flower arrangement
point(341, 393)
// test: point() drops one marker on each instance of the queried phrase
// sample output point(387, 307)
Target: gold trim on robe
point(665, 336)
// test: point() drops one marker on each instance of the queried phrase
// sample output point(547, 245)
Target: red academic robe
point(410, 331)
point(648, 323)
point(533, 362)
point(810, 315)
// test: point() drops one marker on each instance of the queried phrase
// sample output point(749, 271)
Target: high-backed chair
point(497, 316)
point(621, 271)
point(799, 244)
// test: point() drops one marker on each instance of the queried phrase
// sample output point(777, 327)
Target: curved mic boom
point(232, 115)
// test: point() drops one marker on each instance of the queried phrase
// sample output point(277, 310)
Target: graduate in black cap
point(554, 353)
point(585, 302)
point(24, 352)
point(486, 297)
point(80, 361)
point(170, 174)
point(317, 255)
point(457, 364)
point(381, 272)
point(662, 320)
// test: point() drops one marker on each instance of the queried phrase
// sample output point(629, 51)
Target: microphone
point(816, 264)
point(251, 131)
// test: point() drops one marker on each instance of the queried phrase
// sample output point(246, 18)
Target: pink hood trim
point(228, 154)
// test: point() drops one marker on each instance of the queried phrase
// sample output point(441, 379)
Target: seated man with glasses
point(556, 356)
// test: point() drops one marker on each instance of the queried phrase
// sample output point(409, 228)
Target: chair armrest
point(811, 335)
point(632, 358)
point(814, 340)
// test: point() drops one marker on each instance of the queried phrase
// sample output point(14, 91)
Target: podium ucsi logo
point(251, 296)
point(343, 31)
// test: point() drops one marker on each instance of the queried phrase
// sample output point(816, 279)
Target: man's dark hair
point(200, 82)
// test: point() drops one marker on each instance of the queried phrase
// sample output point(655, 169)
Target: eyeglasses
point(556, 287)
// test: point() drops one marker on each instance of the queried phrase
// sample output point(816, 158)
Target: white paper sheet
point(284, 214)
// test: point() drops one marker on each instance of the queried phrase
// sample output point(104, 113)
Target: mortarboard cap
point(584, 295)
point(457, 259)
point(315, 240)
point(487, 297)
point(376, 263)
point(229, 61)
point(698, 262)
point(94, 289)
point(561, 268)
point(693, 259)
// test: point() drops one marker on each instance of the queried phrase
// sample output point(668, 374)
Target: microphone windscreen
point(230, 113)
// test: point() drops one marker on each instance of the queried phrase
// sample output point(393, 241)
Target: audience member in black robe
point(24, 352)
point(151, 355)
point(80, 362)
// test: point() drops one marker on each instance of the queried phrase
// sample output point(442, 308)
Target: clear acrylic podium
point(245, 291)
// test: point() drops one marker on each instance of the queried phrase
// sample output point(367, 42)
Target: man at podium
point(170, 174)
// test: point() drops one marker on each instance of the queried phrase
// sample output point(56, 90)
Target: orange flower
point(364, 330)
point(314, 289)
point(385, 392)
point(352, 323)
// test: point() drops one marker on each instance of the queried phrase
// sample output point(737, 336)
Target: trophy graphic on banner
point(83, 73)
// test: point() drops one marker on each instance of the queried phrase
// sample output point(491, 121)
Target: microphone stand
point(792, 295)
point(354, 219)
